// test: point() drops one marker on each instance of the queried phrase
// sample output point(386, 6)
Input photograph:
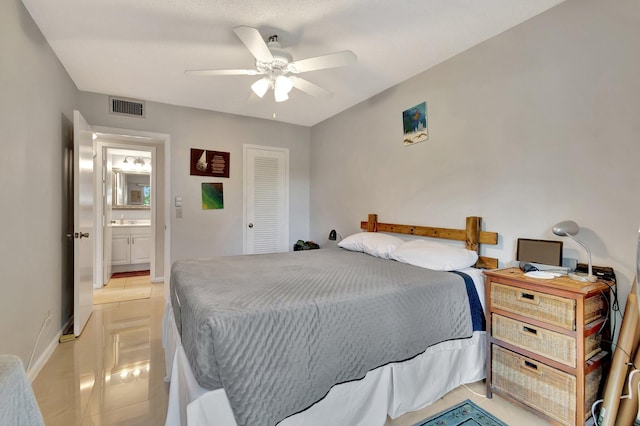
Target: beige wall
point(36, 123)
point(36, 114)
point(205, 233)
point(537, 125)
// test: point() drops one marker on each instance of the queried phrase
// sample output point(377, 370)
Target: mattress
point(278, 345)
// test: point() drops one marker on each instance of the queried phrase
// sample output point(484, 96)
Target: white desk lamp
point(569, 228)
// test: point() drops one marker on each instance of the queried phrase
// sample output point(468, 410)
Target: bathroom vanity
point(130, 246)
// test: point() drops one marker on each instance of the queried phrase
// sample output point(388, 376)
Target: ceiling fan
point(274, 64)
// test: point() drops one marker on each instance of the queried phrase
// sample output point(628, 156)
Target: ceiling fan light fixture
point(273, 63)
point(280, 95)
point(261, 86)
point(283, 84)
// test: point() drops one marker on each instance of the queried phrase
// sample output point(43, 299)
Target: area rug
point(464, 414)
point(130, 274)
point(121, 294)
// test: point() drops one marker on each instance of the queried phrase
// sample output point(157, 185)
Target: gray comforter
point(278, 331)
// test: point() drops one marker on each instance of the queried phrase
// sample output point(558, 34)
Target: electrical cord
point(44, 324)
point(615, 346)
point(615, 305)
point(627, 396)
point(473, 392)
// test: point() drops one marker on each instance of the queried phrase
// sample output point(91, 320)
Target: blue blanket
point(477, 315)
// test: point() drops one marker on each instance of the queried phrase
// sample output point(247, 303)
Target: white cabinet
point(120, 252)
point(130, 245)
point(141, 248)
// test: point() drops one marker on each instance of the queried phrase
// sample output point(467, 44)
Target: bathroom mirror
point(131, 189)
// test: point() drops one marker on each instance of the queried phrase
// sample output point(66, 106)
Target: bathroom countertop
point(130, 223)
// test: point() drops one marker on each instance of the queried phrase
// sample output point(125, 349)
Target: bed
point(327, 336)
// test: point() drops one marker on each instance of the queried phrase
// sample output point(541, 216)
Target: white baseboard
point(44, 357)
point(157, 280)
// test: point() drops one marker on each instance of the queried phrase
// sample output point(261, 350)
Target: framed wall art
point(212, 196)
point(209, 163)
point(414, 121)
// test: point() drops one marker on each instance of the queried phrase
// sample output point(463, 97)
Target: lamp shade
point(261, 86)
point(283, 84)
point(565, 228)
point(280, 95)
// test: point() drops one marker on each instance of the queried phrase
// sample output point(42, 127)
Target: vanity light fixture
point(569, 228)
point(137, 161)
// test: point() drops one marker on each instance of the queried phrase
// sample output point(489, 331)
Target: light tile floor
point(113, 374)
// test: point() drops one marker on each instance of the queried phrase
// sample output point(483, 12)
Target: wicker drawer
point(550, 344)
point(547, 390)
point(551, 309)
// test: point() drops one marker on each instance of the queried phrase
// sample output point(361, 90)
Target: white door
point(83, 222)
point(266, 188)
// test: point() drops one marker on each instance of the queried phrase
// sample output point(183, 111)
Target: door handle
point(251, 225)
point(81, 235)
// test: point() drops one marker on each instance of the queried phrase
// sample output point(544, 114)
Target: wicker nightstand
point(544, 349)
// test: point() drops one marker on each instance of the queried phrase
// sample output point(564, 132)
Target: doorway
point(127, 208)
point(132, 177)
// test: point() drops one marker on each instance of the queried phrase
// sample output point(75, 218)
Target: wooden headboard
point(472, 235)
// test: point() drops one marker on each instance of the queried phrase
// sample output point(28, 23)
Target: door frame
point(164, 139)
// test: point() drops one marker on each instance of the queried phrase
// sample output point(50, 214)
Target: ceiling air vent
point(129, 107)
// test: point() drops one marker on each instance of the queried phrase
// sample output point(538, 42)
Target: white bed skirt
point(393, 389)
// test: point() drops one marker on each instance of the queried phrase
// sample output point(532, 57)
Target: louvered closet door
point(266, 187)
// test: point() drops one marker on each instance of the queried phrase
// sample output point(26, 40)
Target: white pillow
point(373, 243)
point(434, 255)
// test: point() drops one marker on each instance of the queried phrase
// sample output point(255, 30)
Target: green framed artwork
point(212, 196)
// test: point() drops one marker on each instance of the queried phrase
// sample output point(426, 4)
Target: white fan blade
point(332, 60)
point(221, 72)
point(254, 42)
point(310, 88)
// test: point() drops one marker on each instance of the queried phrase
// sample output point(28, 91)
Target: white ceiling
point(140, 49)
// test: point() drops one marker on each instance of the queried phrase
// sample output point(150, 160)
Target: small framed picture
point(212, 196)
point(135, 196)
point(414, 121)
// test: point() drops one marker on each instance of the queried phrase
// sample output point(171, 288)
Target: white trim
point(46, 354)
point(165, 140)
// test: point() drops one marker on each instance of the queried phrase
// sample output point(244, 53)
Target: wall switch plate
point(178, 212)
point(178, 201)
